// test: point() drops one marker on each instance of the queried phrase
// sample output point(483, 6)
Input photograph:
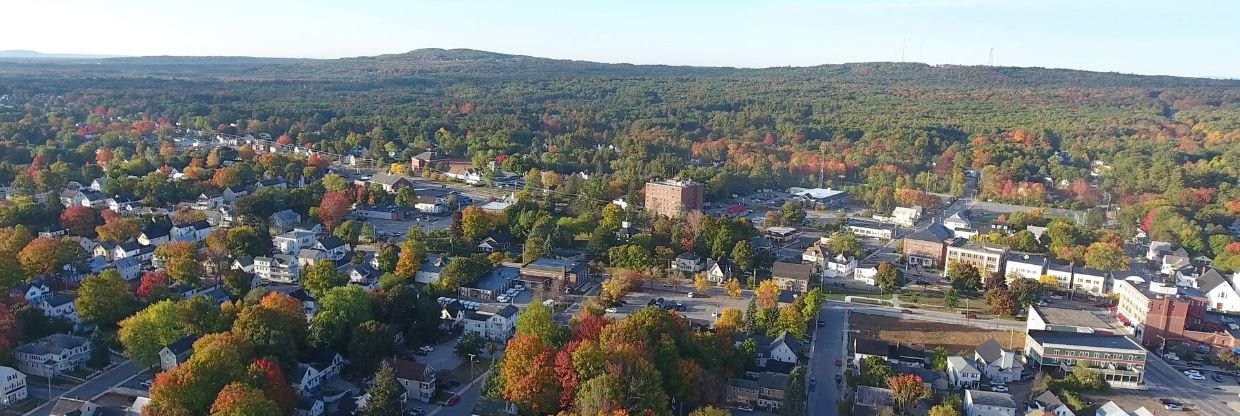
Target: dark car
point(821, 324)
point(452, 401)
point(812, 385)
point(650, 303)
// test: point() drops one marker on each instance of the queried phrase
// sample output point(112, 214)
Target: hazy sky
point(1184, 37)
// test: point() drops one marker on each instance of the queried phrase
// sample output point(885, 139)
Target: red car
point(452, 401)
point(839, 363)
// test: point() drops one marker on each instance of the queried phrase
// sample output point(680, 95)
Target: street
point(1165, 381)
point(93, 387)
point(828, 346)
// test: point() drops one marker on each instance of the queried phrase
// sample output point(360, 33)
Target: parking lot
point(702, 307)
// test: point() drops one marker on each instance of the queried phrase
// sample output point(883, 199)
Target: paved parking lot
point(697, 307)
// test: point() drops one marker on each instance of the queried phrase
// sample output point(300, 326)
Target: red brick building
point(671, 197)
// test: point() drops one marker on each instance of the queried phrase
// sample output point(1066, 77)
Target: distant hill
point(26, 54)
point(447, 64)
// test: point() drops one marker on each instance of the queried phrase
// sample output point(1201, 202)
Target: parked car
point(1195, 377)
point(1000, 389)
point(691, 294)
point(812, 385)
point(821, 324)
point(612, 310)
point(426, 348)
point(839, 363)
point(452, 401)
point(502, 298)
point(417, 411)
point(745, 408)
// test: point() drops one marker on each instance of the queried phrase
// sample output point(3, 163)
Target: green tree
point(105, 299)
point(322, 276)
point(964, 276)
point(751, 316)
point(150, 330)
point(341, 309)
point(939, 361)
point(844, 242)
point(470, 344)
point(888, 277)
point(1104, 256)
point(538, 321)
point(1026, 292)
point(951, 299)
point(384, 394)
point(793, 214)
point(742, 255)
point(795, 394)
point(709, 411)
point(370, 342)
point(388, 257)
point(874, 371)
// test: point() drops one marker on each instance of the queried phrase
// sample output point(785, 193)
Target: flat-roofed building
point(670, 198)
point(1117, 358)
point(987, 258)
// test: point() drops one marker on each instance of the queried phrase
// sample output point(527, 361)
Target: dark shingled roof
point(1084, 340)
point(934, 233)
point(990, 398)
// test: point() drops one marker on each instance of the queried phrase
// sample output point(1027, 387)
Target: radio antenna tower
point(991, 61)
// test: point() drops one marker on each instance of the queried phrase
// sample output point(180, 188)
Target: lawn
point(957, 339)
point(25, 406)
point(461, 372)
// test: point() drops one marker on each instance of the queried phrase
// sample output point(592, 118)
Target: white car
point(612, 310)
point(426, 348)
point(691, 294)
point(1194, 372)
point(502, 298)
point(1000, 389)
point(1197, 377)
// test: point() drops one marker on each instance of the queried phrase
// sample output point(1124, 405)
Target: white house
point(429, 272)
point(840, 266)
point(59, 305)
point(1025, 266)
point(1112, 409)
point(1049, 402)
point(334, 248)
point(816, 254)
point(283, 221)
point(129, 268)
point(962, 374)
point(52, 355)
point(958, 222)
point(293, 241)
point(1220, 290)
point(997, 363)
point(988, 403)
point(784, 348)
point(209, 200)
point(718, 272)
point(906, 216)
point(34, 292)
point(12, 386)
point(361, 274)
point(311, 374)
point(280, 268)
point(309, 406)
point(194, 231)
point(231, 193)
point(865, 275)
point(492, 322)
point(153, 235)
point(418, 379)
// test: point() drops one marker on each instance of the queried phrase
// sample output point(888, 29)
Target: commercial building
point(987, 258)
point(1118, 359)
point(1025, 266)
point(821, 198)
point(545, 270)
point(670, 198)
point(1079, 279)
point(863, 228)
point(927, 248)
point(1050, 318)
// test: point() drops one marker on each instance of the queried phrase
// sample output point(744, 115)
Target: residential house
point(154, 234)
point(430, 269)
point(66, 406)
point(1049, 402)
point(719, 271)
point(792, 276)
point(959, 221)
point(283, 221)
point(105, 249)
point(123, 204)
point(33, 292)
point(962, 374)
point(815, 254)
point(906, 216)
point(689, 262)
point(1220, 291)
point(129, 268)
point(495, 243)
point(997, 363)
point(784, 348)
point(243, 263)
point(425, 159)
point(390, 183)
point(60, 305)
point(98, 183)
point(52, 355)
point(209, 200)
point(465, 172)
point(194, 231)
point(333, 247)
point(988, 403)
point(361, 274)
point(279, 268)
point(231, 193)
point(928, 247)
point(765, 391)
point(12, 386)
point(293, 241)
point(1112, 409)
point(177, 352)
point(309, 304)
point(1173, 265)
point(418, 379)
point(877, 399)
point(309, 406)
point(564, 254)
point(271, 183)
point(452, 315)
point(841, 265)
point(493, 322)
point(307, 257)
point(863, 348)
point(1157, 249)
point(321, 366)
point(72, 197)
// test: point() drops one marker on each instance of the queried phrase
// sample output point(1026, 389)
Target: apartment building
point(669, 198)
point(987, 258)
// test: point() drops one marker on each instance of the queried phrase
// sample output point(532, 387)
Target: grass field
point(957, 339)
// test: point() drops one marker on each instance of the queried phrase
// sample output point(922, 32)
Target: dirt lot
point(957, 339)
point(1128, 400)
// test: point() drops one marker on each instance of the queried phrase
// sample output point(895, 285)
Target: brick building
point(927, 248)
point(669, 198)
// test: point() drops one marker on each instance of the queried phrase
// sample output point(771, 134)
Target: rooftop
point(1119, 342)
point(496, 278)
point(935, 233)
point(991, 398)
point(1072, 317)
point(552, 264)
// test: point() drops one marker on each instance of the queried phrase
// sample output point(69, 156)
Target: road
point(1165, 381)
point(828, 346)
point(93, 387)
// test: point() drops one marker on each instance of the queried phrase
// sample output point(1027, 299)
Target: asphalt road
point(93, 387)
point(828, 346)
point(1165, 381)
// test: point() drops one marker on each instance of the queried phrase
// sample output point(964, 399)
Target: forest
point(890, 133)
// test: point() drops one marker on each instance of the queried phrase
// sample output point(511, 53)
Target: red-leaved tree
point(332, 208)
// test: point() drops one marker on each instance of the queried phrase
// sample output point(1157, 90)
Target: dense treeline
point(887, 132)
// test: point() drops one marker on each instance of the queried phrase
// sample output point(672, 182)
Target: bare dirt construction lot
point(957, 339)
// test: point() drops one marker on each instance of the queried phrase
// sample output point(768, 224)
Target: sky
point(1184, 37)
